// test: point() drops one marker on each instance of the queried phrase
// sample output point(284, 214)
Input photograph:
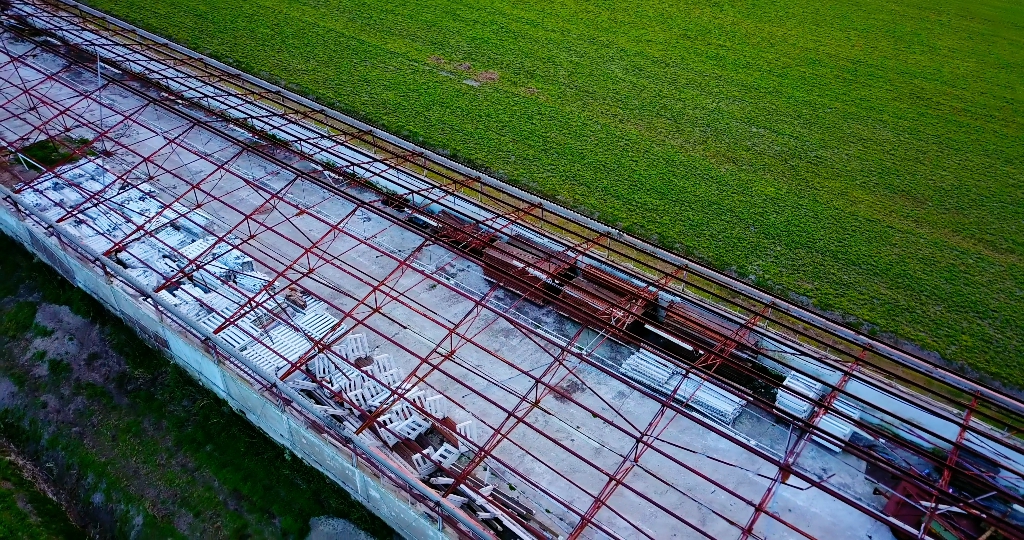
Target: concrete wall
point(265, 411)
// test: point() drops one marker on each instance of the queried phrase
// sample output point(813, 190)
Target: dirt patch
point(12, 175)
point(6, 178)
point(464, 66)
point(567, 389)
point(78, 342)
point(435, 59)
point(487, 76)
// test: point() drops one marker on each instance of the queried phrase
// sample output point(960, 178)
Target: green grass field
point(868, 155)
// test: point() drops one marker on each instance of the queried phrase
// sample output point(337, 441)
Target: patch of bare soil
point(487, 76)
point(11, 176)
point(78, 342)
point(567, 389)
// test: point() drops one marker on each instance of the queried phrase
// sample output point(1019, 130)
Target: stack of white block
point(652, 370)
point(836, 425)
point(284, 345)
point(799, 395)
point(381, 384)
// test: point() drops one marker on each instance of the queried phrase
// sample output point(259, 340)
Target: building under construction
point(467, 359)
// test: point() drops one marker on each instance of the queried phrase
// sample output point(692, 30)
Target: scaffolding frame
point(755, 316)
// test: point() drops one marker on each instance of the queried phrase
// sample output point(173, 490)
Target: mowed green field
point(866, 154)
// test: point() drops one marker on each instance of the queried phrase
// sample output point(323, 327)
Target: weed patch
point(57, 368)
point(18, 320)
point(49, 152)
point(41, 331)
point(27, 513)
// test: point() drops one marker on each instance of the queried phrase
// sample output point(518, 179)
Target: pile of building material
point(283, 346)
point(695, 391)
point(800, 396)
point(519, 271)
point(836, 425)
point(360, 384)
point(598, 295)
point(526, 267)
point(700, 325)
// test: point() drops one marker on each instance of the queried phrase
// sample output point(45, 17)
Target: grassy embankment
point(26, 512)
point(133, 442)
point(866, 155)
